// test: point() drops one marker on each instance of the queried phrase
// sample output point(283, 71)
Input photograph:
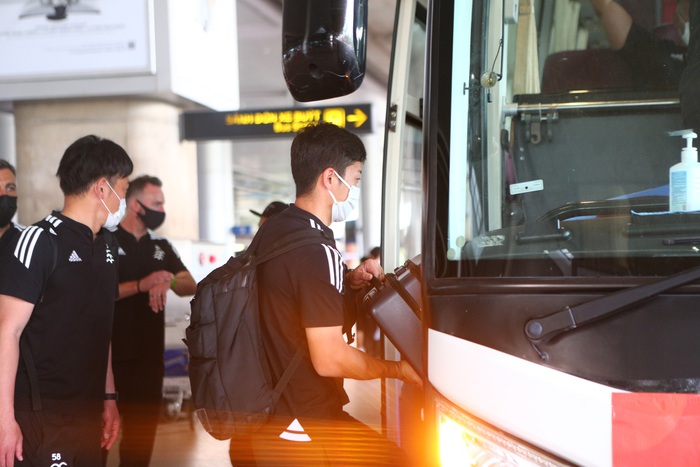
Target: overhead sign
point(266, 123)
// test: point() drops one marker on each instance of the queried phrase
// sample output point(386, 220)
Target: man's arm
point(14, 315)
point(615, 20)
point(144, 284)
point(331, 356)
point(184, 284)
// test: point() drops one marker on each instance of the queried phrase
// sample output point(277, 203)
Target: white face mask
point(113, 220)
point(343, 209)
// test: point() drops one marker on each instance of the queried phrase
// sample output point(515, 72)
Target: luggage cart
point(177, 395)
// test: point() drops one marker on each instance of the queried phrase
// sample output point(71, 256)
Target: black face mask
point(151, 219)
point(8, 208)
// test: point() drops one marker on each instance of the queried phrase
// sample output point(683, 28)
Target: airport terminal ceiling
point(261, 169)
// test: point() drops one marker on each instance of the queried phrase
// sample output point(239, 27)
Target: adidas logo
point(295, 432)
point(74, 258)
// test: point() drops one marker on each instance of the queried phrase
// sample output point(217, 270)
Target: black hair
point(87, 160)
point(319, 146)
point(6, 165)
point(139, 183)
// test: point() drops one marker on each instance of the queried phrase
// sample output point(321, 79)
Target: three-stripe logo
point(24, 250)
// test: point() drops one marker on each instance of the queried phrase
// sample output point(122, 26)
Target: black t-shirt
point(301, 289)
point(10, 236)
point(139, 333)
point(73, 290)
point(655, 62)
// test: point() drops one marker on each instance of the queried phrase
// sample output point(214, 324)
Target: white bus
point(527, 164)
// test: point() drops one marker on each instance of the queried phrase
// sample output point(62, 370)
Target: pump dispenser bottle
point(684, 177)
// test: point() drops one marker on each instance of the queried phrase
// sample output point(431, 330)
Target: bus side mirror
point(324, 43)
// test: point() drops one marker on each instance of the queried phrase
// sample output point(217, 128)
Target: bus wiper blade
point(541, 330)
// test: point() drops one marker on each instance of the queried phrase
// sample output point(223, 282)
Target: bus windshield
point(554, 143)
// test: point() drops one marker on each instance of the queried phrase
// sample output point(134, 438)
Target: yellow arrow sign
point(358, 118)
point(273, 122)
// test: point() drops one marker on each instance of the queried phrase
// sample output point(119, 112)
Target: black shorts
point(58, 440)
point(344, 442)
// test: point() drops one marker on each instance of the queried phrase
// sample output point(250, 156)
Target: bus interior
point(568, 149)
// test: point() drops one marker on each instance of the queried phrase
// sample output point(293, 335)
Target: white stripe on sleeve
point(26, 244)
point(335, 267)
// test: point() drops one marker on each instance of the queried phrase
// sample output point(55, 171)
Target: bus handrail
point(513, 109)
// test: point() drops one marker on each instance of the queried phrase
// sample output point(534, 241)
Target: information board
point(264, 123)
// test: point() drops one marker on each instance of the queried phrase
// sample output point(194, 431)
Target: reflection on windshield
point(604, 44)
point(568, 174)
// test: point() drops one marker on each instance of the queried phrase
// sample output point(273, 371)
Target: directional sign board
point(266, 123)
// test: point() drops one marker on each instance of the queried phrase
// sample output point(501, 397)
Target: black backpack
point(232, 387)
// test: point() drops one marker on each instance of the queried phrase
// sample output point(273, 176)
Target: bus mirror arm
point(541, 330)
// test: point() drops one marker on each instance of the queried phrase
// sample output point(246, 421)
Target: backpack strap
point(287, 375)
point(281, 246)
point(291, 242)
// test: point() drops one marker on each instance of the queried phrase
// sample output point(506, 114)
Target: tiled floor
point(182, 444)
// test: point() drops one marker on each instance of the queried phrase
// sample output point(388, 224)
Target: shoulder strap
point(281, 246)
point(286, 243)
point(286, 376)
point(290, 242)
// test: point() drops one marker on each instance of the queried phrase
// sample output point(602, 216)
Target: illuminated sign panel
point(272, 122)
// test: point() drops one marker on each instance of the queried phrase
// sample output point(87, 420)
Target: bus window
point(411, 196)
point(558, 155)
point(403, 195)
point(411, 202)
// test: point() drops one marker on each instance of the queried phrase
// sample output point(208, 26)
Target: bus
point(527, 170)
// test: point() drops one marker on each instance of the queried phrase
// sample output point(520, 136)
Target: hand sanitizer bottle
point(684, 177)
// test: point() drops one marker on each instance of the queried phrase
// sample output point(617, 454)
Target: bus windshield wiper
point(541, 330)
